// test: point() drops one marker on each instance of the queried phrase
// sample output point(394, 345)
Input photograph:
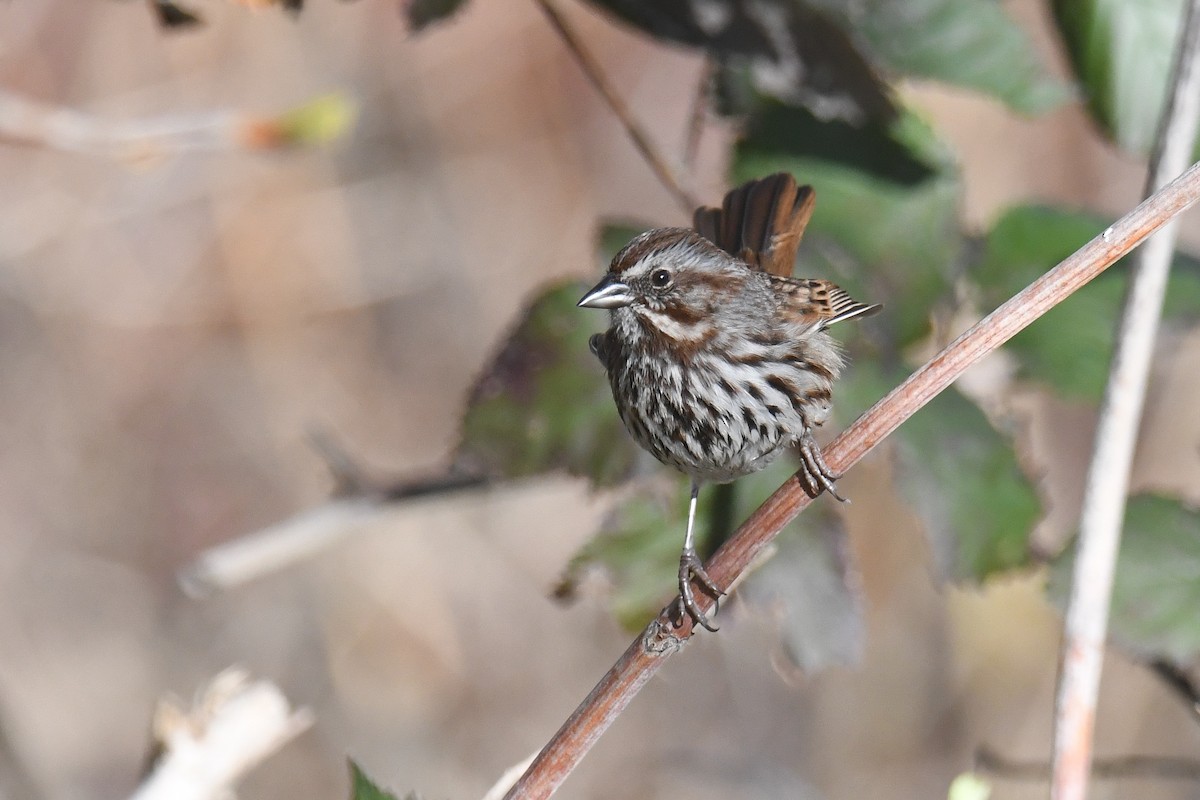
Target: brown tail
point(761, 222)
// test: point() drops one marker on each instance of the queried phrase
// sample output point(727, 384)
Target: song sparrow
point(717, 359)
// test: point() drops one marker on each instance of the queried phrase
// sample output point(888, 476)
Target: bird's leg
point(814, 473)
point(691, 568)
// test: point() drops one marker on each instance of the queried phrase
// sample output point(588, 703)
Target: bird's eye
point(660, 278)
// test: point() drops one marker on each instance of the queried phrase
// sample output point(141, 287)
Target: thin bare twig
point(277, 546)
point(697, 118)
point(592, 69)
point(1153, 767)
point(1116, 434)
point(643, 658)
point(357, 499)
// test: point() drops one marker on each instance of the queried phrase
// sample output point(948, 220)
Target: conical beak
point(608, 293)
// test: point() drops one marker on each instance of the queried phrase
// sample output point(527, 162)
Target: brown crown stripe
point(656, 240)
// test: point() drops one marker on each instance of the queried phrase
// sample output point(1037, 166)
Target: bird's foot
point(814, 474)
point(692, 569)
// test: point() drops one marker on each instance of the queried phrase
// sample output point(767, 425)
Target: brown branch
point(651, 649)
point(595, 74)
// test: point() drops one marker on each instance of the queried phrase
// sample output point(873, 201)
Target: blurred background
point(171, 333)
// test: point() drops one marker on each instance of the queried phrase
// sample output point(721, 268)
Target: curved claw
point(815, 473)
point(691, 569)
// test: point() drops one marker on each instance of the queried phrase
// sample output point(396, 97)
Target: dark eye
point(660, 278)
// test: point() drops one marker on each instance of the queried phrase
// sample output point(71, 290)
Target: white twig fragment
point(151, 139)
point(509, 777)
point(242, 560)
point(1116, 434)
point(234, 726)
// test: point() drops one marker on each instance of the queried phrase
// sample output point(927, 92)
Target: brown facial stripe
point(684, 314)
point(681, 350)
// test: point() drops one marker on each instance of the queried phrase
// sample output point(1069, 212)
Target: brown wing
point(819, 302)
point(760, 222)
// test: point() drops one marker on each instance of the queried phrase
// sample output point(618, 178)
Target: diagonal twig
point(592, 69)
point(646, 655)
point(1107, 481)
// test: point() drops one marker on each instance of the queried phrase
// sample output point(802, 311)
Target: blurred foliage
point(172, 15)
point(964, 479)
point(319, 121)
point(1122, 54)
point(422, 13)
point(1156, 589)
point(363, 788)
point(969, 43)
point(1069, 348)
point(543, 402)
point(793, 51)
point(878, 238)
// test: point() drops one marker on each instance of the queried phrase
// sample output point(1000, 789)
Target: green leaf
point(1156, 589)
point(637, 549)
point(1070, 348)
point(422, 13)
point(964, 479)
point(1026, 242)
point(1122, 53)
point(879, 239)
point(543, 403)
point(363, 788)
point(782, 48)
point(882, 150)
point(968, 43)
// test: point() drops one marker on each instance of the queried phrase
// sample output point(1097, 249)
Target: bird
point(718, 360)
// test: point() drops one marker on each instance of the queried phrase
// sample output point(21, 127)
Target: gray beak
point(608, 293)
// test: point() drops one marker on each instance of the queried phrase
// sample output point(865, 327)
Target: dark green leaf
point(173, 15)
point(876, 149)
point(1070, 348)
point(785, 49)
point(969, 43)
point(964, 478)
point(1156, 590)
point(880, 240)
point(1026, 242)
point(422, 13)
point(362, 788)
point(543, 403)
point(1122, 53)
